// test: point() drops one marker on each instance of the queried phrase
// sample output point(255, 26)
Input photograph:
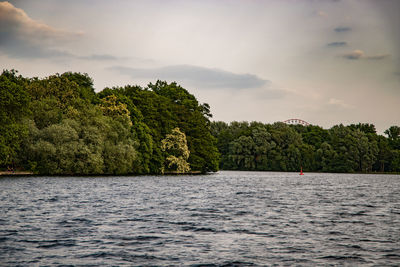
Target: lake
point(222, 219)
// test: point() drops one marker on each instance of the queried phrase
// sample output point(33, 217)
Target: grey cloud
point(199, 76)
point(377, 57)
point(342, 29)
point(108, 57)
point(269, 93)
point(18, 49)
point(354, 55)
point(23, 37)
point(359, 54)
point(337, 44)
point(99, 57)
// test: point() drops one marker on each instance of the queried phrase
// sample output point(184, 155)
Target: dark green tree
point(14, 108)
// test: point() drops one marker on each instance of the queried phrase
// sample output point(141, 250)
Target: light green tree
point(112, 108)
point(175, 145)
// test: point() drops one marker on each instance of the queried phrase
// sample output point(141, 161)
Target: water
point(228, 218)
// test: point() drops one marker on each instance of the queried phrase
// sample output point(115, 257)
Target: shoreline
point(28, 173)
point(194, 173)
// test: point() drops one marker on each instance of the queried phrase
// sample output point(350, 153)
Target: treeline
point(60, 125)
point(281, 147)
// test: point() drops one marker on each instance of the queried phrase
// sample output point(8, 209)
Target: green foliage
point(159, 108)
point(14, 107)
point(115, 110)
point(85, 85)
point(175, 145)
point(93, 144)
point(281, 147)
point(59, 125)
point(71, 132)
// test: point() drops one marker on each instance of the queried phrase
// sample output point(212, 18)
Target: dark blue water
point(228, 218)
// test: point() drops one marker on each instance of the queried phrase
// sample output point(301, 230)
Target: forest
point(281, 147)
point(59, 125)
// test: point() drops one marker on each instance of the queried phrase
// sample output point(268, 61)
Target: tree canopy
point(281, 147)
point(60, 125)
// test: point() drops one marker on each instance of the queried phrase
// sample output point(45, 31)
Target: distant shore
point(27, 173)
point(6, 173)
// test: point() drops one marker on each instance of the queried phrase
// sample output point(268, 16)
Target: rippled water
point(228, 218)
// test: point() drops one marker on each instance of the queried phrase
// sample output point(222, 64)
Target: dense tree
point(175, 146)
point(14, 107)
point(158, 109)
point(60, 125)
point(281, 147)
point(393, 134)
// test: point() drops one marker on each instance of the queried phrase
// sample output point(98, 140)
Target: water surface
point(227, 218)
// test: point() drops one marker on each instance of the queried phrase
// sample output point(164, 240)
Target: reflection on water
point(228, 218)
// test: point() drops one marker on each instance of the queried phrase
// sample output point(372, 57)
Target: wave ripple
point(223, 219)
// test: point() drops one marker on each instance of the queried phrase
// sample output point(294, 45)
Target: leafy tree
point(128, 95)
point(57, 149)
point(59, 125)
point(242, 153)
point(115, 110)
point(367, 151)
point(393, 134)
point(325, 157)
point(175, 145)
point(14, 107)
point(85, 87)
point(314, 135)
point(384, 154)
point(262, 145)
point(363, 127)
point(281, 147)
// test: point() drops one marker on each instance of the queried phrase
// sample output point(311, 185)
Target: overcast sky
point(326, 62)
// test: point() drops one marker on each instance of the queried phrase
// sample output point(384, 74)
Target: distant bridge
point(296, 121)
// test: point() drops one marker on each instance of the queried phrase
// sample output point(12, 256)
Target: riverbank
point(26, 173)
point(6, 173)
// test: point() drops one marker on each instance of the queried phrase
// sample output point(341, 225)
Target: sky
point(326, 62)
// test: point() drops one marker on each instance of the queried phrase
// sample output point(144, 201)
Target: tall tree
point(175, 146)
point(14, 107)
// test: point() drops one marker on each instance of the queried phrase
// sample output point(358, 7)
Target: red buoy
point(301, 171)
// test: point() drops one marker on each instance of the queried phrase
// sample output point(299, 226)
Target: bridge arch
point(296, 121)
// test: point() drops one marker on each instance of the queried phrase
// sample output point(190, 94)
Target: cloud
point(338, 103)
point(100, 57)
point(359, 54)
point(21, 36)
point(377, 57)
point(269, 93)
point(337, 44)
point(199, 76)
point(342, 29)
point(26, 50)
point(354, 55)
